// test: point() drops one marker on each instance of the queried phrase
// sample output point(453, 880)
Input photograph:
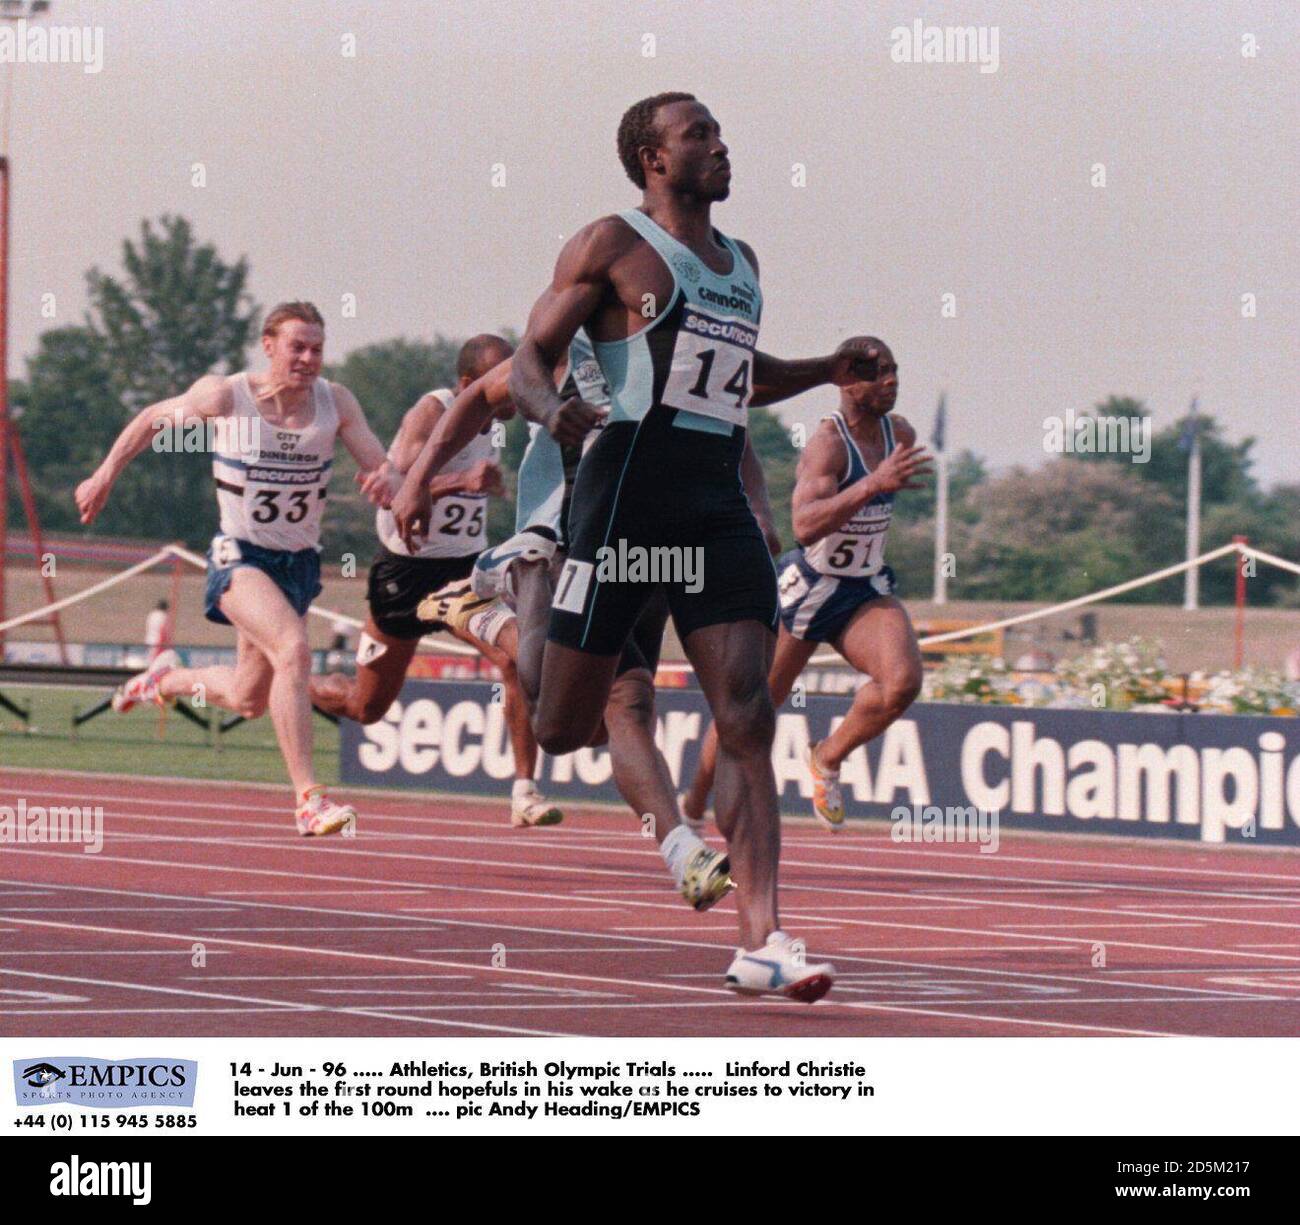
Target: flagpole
point(940, 507)
point(1192, 579)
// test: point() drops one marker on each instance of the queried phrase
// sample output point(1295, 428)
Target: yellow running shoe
point(828, 801)
point(453, 605)
point(706, 877)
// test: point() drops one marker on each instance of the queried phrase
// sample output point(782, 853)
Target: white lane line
point(969, 880)
point(997, 883)
point(284, 1006)
point(586, 978)
point(864, 840)
point(956, 948)
point(322, 849)
point(104, 952)
point(671, 944)
point(113, 1012)
point(1143, 924)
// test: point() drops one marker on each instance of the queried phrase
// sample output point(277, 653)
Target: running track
point(394, 932)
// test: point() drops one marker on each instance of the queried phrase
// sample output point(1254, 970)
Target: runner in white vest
point(272, 435)
point(400, 577)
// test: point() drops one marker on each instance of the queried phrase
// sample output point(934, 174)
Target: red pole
point(1239, 634)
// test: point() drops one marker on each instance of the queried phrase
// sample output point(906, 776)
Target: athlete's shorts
point(647, 640)
point(671, 500)
point(397, 584)
point(816, 607)
point(296, 573)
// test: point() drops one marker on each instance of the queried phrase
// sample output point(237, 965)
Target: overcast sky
point(372, 174)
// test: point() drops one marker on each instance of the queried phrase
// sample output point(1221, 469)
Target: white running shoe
point(143, 687)
point(779, 968)
point(491, 574)
point(533, 809)
point(694, 824)
point(318, 815)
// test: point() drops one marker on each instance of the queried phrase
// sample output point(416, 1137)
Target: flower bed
point(1129, 675)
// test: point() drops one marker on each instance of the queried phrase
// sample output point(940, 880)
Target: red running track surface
point(396, 931)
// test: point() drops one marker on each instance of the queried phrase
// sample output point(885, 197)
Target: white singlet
point(271, 481)
point(458, 527)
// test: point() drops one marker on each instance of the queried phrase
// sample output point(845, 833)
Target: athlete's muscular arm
point(821, 508)
point(209, 397)
point(485, 398)
point(755, 483)
point(776, 379)
point(375, 476)
point(417, 426)
point(581, 283)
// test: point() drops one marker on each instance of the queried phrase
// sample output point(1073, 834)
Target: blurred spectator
point(158, 629)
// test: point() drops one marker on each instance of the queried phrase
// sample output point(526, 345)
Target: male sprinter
point(400, 578)
point(545, 478)
point(665, 473)
point(275, 434)
point(836, 588)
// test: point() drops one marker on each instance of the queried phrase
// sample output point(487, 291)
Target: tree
point(779, 458)
point(179, 312)
point(1062, 530)
point(68, 413)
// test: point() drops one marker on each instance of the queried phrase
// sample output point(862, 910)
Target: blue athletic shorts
point(816, 607)
point(297, 574)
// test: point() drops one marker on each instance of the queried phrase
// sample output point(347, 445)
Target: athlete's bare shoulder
point(824, 454)
point(211, 395)
point(904, 431)
point(748, 252)
point(597, 247)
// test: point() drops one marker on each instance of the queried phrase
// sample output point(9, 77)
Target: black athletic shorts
point(659, 508)
point(642, 648)
point(397, 585)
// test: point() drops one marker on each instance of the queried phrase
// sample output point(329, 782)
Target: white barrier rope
point(58, 605)
point(1280, 562)
point(455, 647)
point(1079, 601)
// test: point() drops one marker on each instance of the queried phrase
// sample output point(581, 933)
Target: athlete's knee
point(745, 718)
point(901, 689)
point(560, 732)
point(292, 654)
point(557, 740)
point(632, 701)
